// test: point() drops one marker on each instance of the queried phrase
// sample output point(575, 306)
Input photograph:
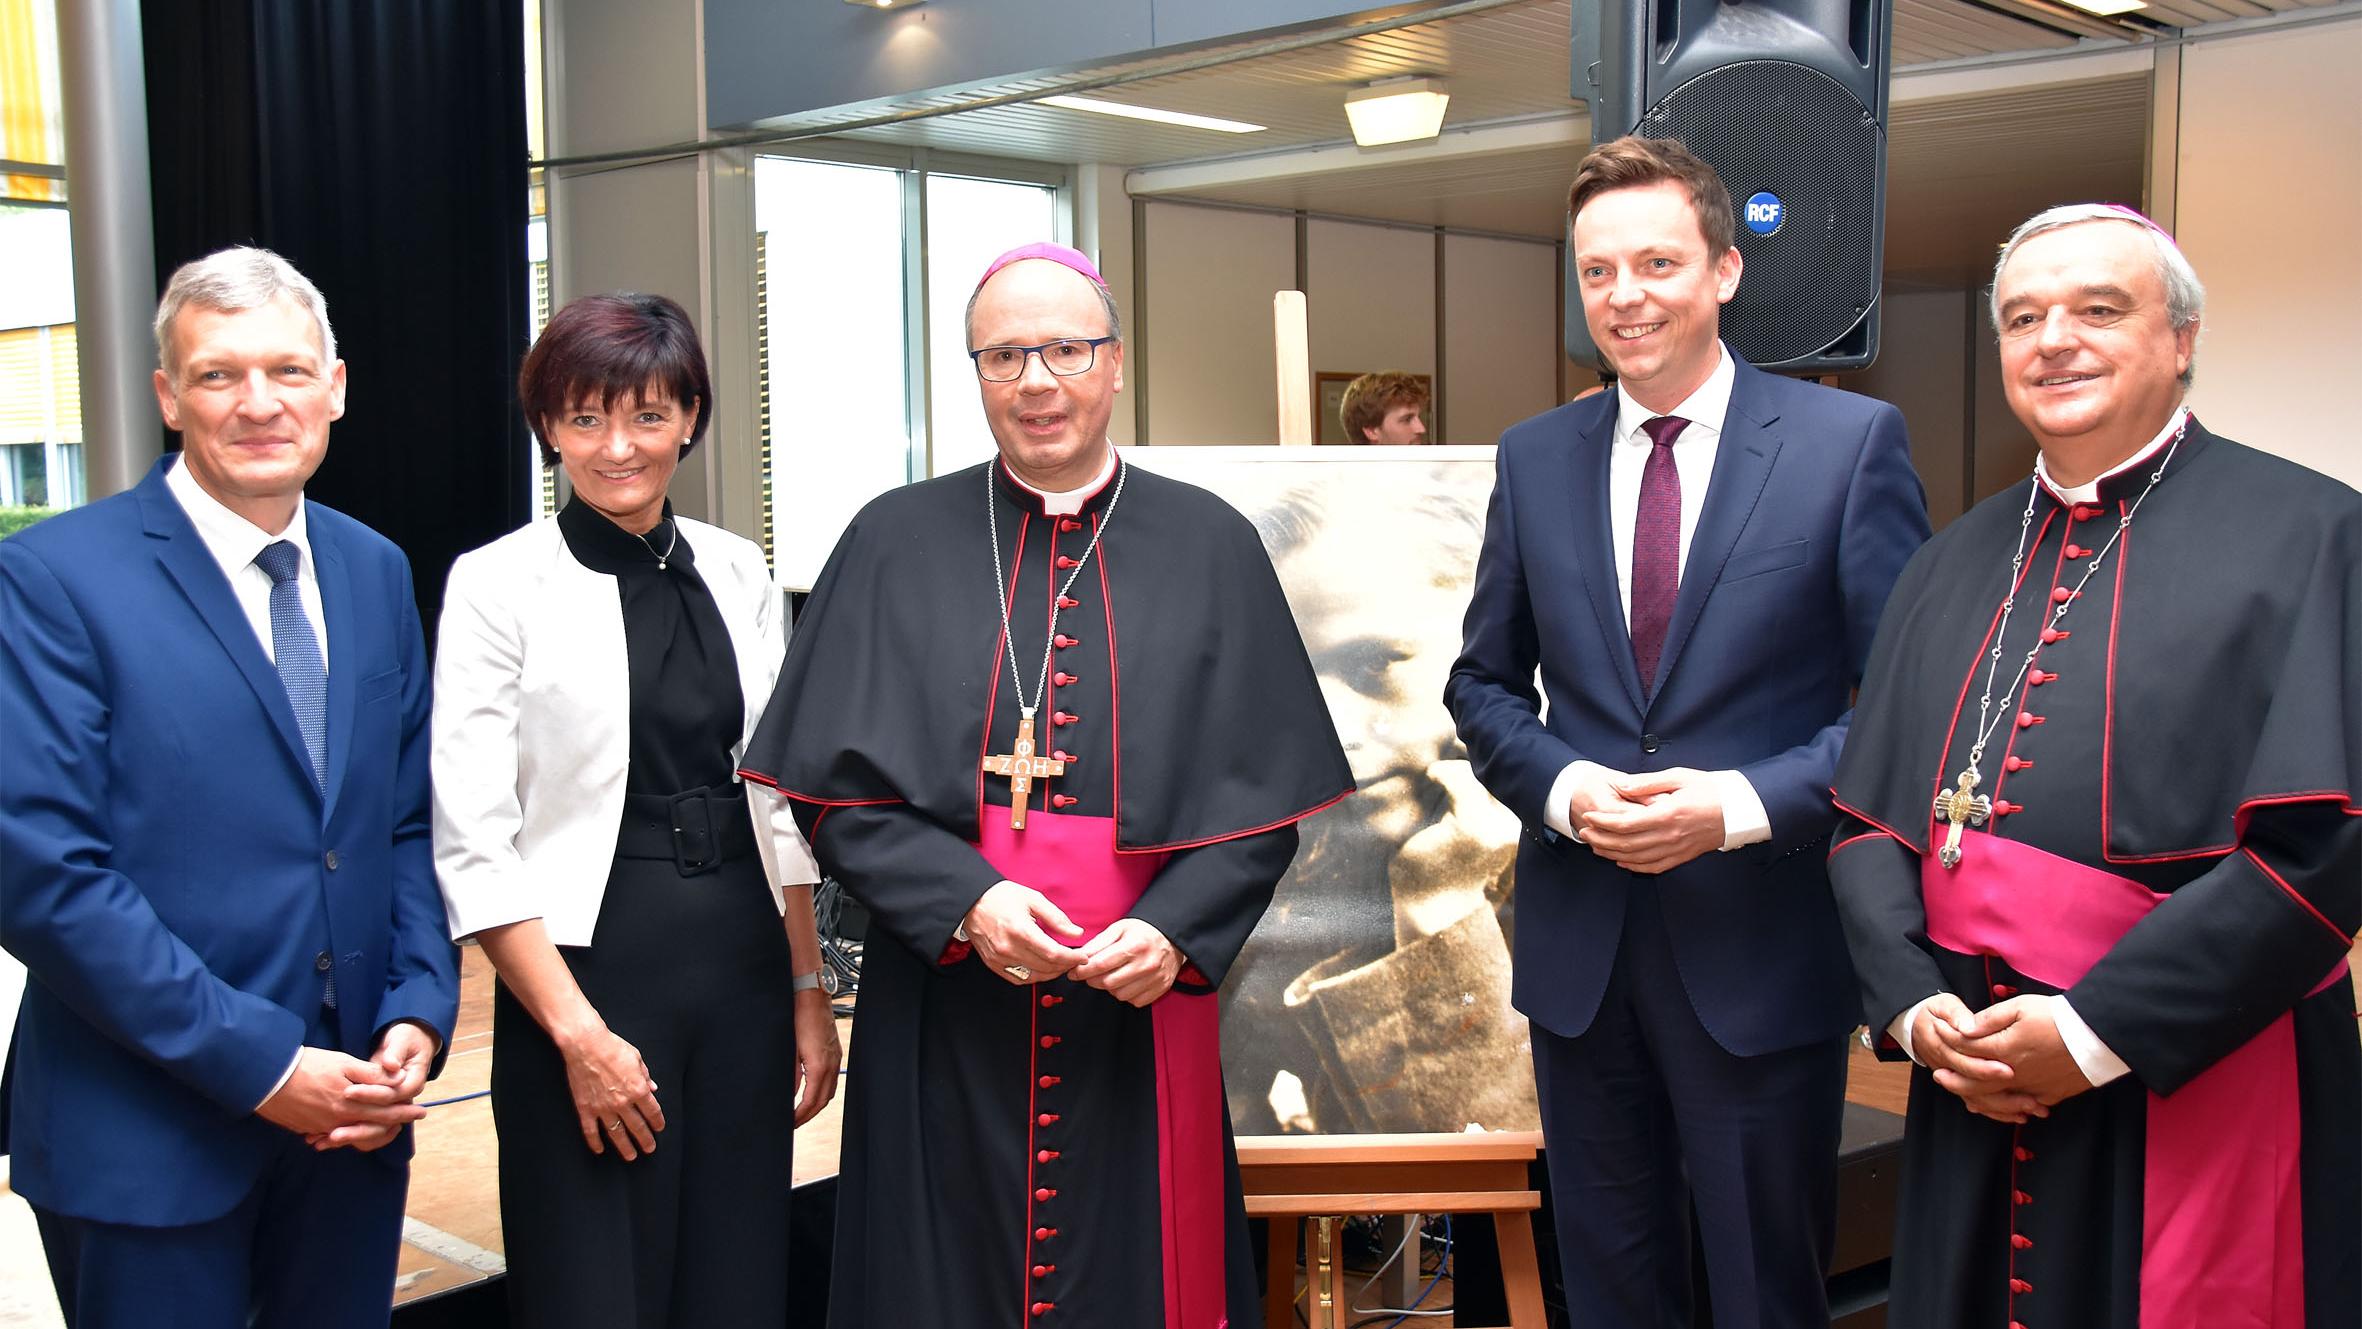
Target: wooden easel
point(1323, 1177)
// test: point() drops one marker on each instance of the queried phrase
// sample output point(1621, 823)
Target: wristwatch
point(805, 982)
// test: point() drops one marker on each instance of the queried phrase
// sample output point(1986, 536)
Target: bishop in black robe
point(1046, 1153)
point(2189, 735)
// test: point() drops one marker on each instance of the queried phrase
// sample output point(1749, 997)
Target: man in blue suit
point(1695, 562)
point(214, 854)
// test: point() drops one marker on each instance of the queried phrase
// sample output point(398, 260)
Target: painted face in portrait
point(252, 397)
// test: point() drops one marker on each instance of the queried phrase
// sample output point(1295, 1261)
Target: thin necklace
point(665, 557)
point(1962, 806)
point(1001, 588)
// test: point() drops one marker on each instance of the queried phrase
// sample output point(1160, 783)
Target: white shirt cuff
point(1744, 822)
point(2094, 1058)
point(1900, 1030)
point(1562, 792)
point(284, 1077)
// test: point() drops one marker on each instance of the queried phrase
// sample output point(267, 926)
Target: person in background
point(1385, 408)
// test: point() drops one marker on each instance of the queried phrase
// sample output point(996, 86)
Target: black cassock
point(1002, 1160)
point(2192, 726)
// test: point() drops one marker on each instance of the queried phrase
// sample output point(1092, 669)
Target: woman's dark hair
point(611, 348)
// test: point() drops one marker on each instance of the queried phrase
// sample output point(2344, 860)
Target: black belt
point(698, 831)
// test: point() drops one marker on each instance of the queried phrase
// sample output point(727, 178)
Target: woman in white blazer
point(657, 1030)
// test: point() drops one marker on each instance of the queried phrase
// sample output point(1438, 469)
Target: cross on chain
point(1962, 807)
point(1022, 767)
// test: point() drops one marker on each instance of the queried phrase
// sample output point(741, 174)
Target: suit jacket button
point(323, 962)
point(1648, 742)
point(331, 860)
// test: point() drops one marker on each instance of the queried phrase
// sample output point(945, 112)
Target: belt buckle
point(695, 850)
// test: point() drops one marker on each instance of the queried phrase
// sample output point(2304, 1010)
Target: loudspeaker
point(1787, 99)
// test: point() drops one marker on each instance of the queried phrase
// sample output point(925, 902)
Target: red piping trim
point(1880, 834)
point(1952, 733)
point(1901, 838)
point(1033, 1043)
point(814, 799)
point(2025, 691)
point(2344, 942)
point(1291, 819)
point(2108, 704)
point(1115, 703)
point(999, 652)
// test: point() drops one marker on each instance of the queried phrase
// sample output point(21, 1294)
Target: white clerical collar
point(1708, 406)
point(230, 538)
point(1068, 502)
point(2086, 493)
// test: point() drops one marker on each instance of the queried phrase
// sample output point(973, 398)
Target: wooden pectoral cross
point(1962, 807)
point(1022, 767)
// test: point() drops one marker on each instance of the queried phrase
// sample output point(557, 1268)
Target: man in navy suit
point(1695, 563)
point(214, 855)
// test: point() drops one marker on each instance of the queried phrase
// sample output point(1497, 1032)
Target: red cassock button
point(1062, 717)
point(2075, 550)
point(1051, 1040)
point(1051, 999)
point(2022, 1154)
point(2085, 512)
point(1045, 1193)
point(1062, 641)
point(2038, 678)
point(2020, 1197)
point(2002, 807)
point(1067, 680)
point(1063, 755)
point(1045, 1156)
point(1044, 1307)
point(2013, 1324)
point(1046, 1119)
point(1063, 801)
point(1064, 562)
point(2015, 763)
point(1069, 602)
point(1044, 1270)
point(1048, 1081)
point(1044, 1233)
point(2004, 991)
point(2020, 1286)
point(2027, 719)
point(2017, 1242)
point(2051, 636)
point(1069, 524)
point(2060, 595)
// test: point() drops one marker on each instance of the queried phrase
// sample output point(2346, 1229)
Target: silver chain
point(1001, 589)
point(666, 557)
point(1986, 722)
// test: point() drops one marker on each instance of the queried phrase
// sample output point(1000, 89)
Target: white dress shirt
point(234, 541)
point(2098, 1062)
point(1744, 820)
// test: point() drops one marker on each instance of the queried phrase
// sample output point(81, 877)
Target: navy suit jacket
point(169, 873)
point(1811, 513)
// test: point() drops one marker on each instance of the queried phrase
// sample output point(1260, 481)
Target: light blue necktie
point(297, 653)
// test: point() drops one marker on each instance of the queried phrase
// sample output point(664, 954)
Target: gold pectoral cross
point(1962, 807)
point(1022, 767)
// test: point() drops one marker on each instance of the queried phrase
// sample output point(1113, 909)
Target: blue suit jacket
point(169, 873)
point(1811, 513)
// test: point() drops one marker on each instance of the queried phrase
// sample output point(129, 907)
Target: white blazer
point(531, 727)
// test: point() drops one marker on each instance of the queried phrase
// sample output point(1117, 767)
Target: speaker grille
point(1772, 125)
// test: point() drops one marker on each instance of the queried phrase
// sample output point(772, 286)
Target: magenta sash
point(1072, 860)
point(2222, 1222)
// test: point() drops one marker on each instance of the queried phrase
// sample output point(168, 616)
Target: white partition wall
point(1207, 335)
point(1501, 339)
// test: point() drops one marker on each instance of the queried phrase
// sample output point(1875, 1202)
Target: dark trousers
point(693, 970)
point(313, 1245)
point(1646, 1116)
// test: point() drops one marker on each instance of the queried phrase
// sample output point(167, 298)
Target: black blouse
point(686, 711)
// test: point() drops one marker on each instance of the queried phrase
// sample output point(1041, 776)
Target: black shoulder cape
point(1221, 727)
point(2236, 644)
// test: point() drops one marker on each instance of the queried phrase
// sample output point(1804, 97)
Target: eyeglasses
point(1065, 358)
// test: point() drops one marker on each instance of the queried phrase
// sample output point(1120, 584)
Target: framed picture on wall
point(1328, 404)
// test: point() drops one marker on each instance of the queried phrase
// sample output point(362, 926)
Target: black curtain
point(379, 145)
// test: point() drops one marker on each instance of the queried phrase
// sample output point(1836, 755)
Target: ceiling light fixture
point(1396, 110)
point(2106, 8)
point(1182, 118)
point(885, 4)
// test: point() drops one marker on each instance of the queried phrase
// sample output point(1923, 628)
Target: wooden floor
point(453, 1234)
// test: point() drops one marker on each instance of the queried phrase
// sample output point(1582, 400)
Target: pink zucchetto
point(1059, 254)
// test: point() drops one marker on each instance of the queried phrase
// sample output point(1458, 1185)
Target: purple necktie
point(1656, 548)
